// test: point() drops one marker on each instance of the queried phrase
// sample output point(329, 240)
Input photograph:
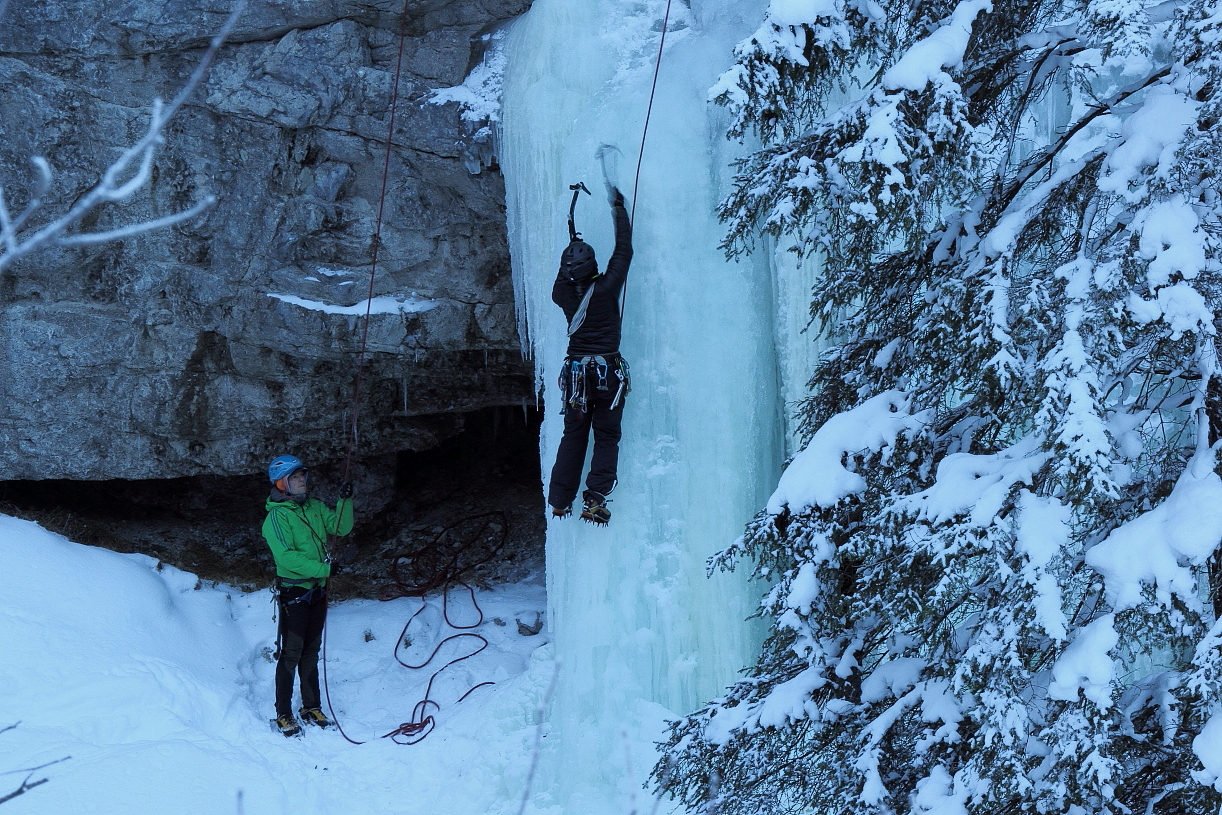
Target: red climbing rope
point(636, 182)
point(373, 268)
point(422, 722)
point(437, 565)
point(377, 239)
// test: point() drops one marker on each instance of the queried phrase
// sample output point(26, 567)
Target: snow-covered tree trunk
point(988, 569)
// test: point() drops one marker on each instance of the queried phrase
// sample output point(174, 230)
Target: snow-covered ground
point(159, 687)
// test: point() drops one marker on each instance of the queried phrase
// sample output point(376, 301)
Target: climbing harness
point(577, 374)
point(310, 597)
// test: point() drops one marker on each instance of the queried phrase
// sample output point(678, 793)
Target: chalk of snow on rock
point(378, 305)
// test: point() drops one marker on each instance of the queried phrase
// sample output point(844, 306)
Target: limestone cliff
point(212, 345)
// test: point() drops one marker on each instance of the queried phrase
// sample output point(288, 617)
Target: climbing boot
point(287, 725)
point(562, 512)
point(594, 508)
point(314, 716)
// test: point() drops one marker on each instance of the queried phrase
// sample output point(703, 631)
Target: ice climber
point(296, 530)
point(594, 379)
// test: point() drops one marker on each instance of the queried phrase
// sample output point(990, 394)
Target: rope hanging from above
point(377, 239)
point(636, 182)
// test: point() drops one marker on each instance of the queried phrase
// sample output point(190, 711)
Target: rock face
point(210, 346)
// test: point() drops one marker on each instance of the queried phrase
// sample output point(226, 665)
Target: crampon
point(594, 508)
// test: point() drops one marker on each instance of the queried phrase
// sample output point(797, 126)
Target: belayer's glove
point(345, 490)
point(617, 197)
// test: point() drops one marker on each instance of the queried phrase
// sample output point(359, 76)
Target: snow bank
point(158, 687)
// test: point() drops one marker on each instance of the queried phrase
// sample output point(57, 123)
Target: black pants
point(605, 422)
point(302, 616)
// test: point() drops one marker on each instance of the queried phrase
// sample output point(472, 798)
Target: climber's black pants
point(302, 616)
point(605, 422)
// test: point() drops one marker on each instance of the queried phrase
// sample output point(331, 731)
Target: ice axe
point(577, 189)
point(604, 152)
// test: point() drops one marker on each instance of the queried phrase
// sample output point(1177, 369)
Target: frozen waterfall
point(641, 634)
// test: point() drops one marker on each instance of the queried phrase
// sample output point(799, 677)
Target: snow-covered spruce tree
point(989, 567)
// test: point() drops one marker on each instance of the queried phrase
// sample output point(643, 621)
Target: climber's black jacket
point(600, 331)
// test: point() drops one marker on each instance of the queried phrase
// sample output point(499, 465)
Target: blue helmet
point(283, 466)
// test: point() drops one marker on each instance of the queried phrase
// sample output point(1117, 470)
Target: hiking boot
point(562, 512)
point(594, 508)
point(287, 725)
point(314, 716)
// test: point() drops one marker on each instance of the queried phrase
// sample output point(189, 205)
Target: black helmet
point(577, 263)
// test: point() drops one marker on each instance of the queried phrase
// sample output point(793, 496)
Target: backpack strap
point(579, 316)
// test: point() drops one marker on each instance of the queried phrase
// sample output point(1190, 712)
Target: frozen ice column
point(641, 633)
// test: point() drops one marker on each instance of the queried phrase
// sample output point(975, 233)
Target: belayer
point(594, 379)
point(296, 530)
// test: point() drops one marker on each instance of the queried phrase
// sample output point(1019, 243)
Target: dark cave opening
point(414, 510)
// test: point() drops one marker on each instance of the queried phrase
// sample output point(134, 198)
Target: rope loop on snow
point(436, 565)
point(422, 722)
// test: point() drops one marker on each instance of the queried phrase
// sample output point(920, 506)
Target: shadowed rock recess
point(202, 350)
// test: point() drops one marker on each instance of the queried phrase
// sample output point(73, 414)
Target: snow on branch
point(125, 176)
point(817, 476)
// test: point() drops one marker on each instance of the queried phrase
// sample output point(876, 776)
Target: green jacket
point(297, 535)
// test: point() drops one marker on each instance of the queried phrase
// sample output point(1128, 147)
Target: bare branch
point(25, 787)
point(35, 769)
point(40, 191)
point(90, 238)
point(135, 165)
point(7, 233)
